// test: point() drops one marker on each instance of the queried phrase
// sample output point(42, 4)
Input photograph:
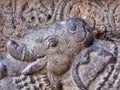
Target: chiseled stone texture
point(91, 63)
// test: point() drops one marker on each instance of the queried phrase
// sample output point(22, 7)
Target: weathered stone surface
point(53, 48)
point(50, 48)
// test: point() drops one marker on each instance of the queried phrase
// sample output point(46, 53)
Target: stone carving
point(103, 16)
point(72, 60)
point(93, 60)
point(38, 82)
point(53, 48)
point(22, 16)
point(3, 70)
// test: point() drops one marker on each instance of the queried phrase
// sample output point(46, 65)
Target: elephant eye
point(53, 42)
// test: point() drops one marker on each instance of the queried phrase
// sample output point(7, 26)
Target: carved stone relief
point(59, 45)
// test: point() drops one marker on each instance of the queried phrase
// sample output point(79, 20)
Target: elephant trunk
point(19, 51)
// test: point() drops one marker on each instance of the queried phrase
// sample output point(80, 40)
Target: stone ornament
point(59, 48)
point(52, 48)
point(59, 45)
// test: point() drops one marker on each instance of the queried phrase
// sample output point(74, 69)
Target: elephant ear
point(94, 64)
